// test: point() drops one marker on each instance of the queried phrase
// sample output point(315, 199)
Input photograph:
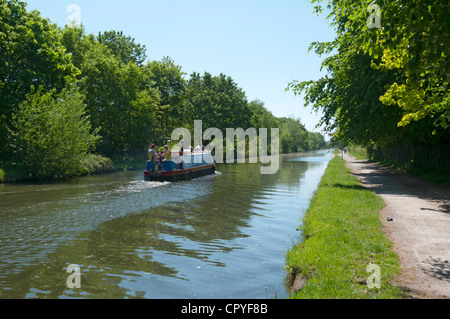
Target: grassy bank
point(90, 165)
point(436, 176)
point(342, 236)
point(359, 152)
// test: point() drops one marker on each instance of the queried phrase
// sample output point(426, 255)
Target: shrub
point(51, 134)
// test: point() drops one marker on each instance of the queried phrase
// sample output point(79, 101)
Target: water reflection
point(215, 237)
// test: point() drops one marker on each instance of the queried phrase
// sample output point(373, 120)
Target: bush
point(96, 164)
point(51, 134)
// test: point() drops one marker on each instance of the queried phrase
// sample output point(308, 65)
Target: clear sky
point(261, 44)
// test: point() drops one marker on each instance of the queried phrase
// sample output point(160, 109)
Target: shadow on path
point(418, 226)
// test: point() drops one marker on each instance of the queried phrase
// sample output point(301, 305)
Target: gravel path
point(419, 229)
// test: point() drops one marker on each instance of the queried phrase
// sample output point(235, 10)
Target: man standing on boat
point(152, 155)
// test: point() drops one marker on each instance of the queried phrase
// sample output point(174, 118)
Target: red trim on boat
point(181, 171)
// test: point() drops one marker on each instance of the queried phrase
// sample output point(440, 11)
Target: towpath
point(419, 229)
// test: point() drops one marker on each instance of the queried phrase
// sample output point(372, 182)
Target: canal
point(218, 236)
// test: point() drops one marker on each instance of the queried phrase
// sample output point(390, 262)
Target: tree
point(51, 134)
point(123, 47)
point(372, 93)
point(119, 98)
point(31, 54)
point(293, 135)
point(218, 101)
point(316, 141)
point(168, 79)
point(261, 117)
point(411, 38)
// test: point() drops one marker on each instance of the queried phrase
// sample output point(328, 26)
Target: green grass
point(96, 164)
point(435, 176)
point(359, 152)
point(91, 164)
point(342, 236)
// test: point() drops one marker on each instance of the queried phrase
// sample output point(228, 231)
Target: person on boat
point(181, 152)
point(167, 153)
point(152, 155)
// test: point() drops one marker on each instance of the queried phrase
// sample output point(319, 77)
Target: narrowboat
point(186, 166)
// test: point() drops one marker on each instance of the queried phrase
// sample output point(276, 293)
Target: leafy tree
point(261, 117)
point(168, 79)
point(76, 43)
point(349, 97)
point(411, 38)
point(293, 136)
point(123, 47)
point(374, 91)
point(119, 98)
point(31, 54)
point(218, 101)
point(102, 82)
point(316, 141)
point(51, 134)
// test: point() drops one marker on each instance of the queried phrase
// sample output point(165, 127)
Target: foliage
point(96, 164)
point(316, 141)
point(385, 84)
point(217, 100)
point(119, 98)
point(51, 134)
point(123, 47)
point(412, 37)
point(104, 81)
point(261, 117)
point(359, 152)
point(293, 136)
point(168, 79)
point(31, 54)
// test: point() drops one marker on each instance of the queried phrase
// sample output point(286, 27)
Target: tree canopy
point(31, 54)
point(51, 134)
point(65, 93)
point(387, 71)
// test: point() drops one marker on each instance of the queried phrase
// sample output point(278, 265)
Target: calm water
point(219, 236)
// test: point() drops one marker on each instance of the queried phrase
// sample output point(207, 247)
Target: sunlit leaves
point(403, 77)
point(51, 134)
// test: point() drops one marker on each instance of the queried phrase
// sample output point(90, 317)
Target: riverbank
point(91, 165)
point(343, 235)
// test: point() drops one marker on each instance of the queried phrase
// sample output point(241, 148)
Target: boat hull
point(180, 174)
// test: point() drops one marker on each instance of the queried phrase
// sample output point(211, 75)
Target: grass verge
point(96, 164)
point(359, 152)
point(90, 165)
point(436, 176)
point(342, 237)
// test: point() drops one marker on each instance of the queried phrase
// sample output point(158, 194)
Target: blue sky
point(261, 44)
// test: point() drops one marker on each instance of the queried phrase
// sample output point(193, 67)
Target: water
point(218, 236)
